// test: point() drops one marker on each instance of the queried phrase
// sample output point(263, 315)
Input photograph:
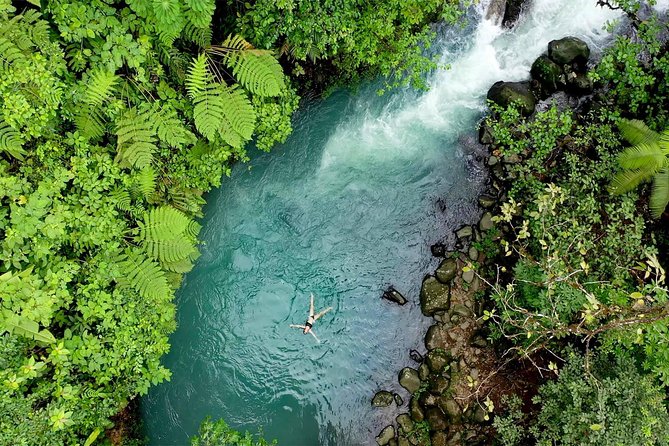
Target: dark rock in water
point(409, 379)
point(496, 10)
point(383, 398)
point(434, 296)
point(569, 50)
point(439, 438)
point(485, 134)
point(447, 271)
point(398, 399)
point(487, 201)
point(436, 419)
point(438, 250)
point(415, 355)
point(387, 434)
point(424, 372)
point(416, 411)
point(547, 73)
point(512, 12)
point(436, 337)
point(437, 360)
point(404, 422)
point(464, 231)
point(579, 83)
point(393, 295)
point(505, 93)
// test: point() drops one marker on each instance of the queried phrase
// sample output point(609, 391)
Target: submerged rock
point(387, 434)
point(409, 379)
point(434, 296)
point(383, 398)
point(506, 93)
point(438, 250)
point(447, 271)
point(398, 399)
point(569, 50)
point(393, 295)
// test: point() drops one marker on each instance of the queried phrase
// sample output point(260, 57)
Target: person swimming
point(311, 320)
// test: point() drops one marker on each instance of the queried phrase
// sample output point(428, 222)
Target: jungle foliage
point(581, 264)
point(218, 433)
point(115, 118)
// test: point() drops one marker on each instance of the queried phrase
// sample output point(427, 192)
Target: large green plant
point(646, 159)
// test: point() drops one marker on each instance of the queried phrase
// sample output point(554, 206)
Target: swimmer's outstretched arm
point(322, 313)
point(311, 307)
point(297, 326)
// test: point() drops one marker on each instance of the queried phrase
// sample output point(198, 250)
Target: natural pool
point(349, 205)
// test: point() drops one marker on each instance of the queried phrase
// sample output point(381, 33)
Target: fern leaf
point(187, 201)
point(164, 235)
point(238, 111)
point(146, 182)
point(144, 275)
point(121, 199)
point(10, 141)
point(636, 132)
point(135, 140)
point(170, 128)
point(100, 86)
point(626, 180)
point(659, 196)
point(257, 70)
point(642, 155)
point(197, 30)
point(89, 122)
point(198, 77)
point(10, 54)
point(208, 111)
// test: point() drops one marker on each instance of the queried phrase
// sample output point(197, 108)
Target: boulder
point(579, 83)
point(487, 201)
point(439, 385)
point(423, 372)
point(402, 441)
point(486, 222)
point(569, 50)
point(398, 399)
point(393, 295)
point(493, 160)
point(485, 134)
point(426, 399)
point(439, 438)
point(438, 250)
point(404, 422)
point(451, 409)
point(436, 360)
point(506, 93)
point(512, 12)
point(436, 337)
point(409, 379)
point(447, 271)
point(434, 296)
point(468, 276)
point(416, 411)
point(462, 310)
point(383, 398)
point(495, 11)
point(393, 442)
point(473, 253)
point(547, 73)
point(436, 419)
point(387, 434)
point(464, 232)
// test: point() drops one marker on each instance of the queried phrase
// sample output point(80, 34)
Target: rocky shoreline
point(456, 385)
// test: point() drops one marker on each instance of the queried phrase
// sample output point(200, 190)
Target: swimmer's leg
point(311, 307)
point(297, 326)
point(322, 313)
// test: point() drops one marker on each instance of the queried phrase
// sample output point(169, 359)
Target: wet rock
point(398, 399)
point(393, 442)
point(486, 222)
point(479, 415)
point(415, 355)
point(383, 398)
point(568, 50)
point(447, 271)
point(455, 440)
point(409, 379)
point(464, 232)
point(479, 341)
point(416, 411)
point(487, 201)
point(436, 337)
point(579, 83)
point(402, 441)
point(468, 276)
point(393, 295)
point(451, 409)
point(423, 372)
point(404, 422)
point(511, 158)
point(439, 438)
point(387, 434)
point(505, 93)
point(493, 160)
point(495, 11)
point(485, 134)
point(512, 12)
point(436, 360)
point(436, 419)
point(473, 253)
point(547, 73)
point(439, 385)
point(438, 250)
point(427, 400)
point(434, 296)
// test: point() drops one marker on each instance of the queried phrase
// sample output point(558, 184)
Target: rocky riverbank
point(460, 381)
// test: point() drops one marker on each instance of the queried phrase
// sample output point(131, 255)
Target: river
point(348, 206)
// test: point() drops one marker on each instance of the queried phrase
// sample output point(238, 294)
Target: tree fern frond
point(636, 132)
point(145, 180)
point(10, 54)
point(181, 266)
point(649, 157)
point(101, 84)
point(144, 275)
point(89, 122)
point(238, 111)
point(208, 111)
point(188, 201)
point(659, 196)
point(198, 76)
point(171, 130)
point(121, 199)
point(626, 180)
point(136, 141)
point(10, 141)
point(164, 234)
point(200, 34)
point(257, 70)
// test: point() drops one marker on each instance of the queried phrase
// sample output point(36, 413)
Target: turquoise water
point(348, 206)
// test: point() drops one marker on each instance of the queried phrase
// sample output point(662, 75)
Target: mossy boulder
point(506, 93)
point(382, 398)
point(416, 411)
point(579, 83)
point(547, 73)
point(447, 271)
point(436, 337)
point(436, 419)
point(437, 359)
point(569, 50)
point(434, 296)
point(387, 434)
point(409, 379)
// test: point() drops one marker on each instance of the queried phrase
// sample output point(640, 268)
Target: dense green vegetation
point(218, 433)
point(580, 289)
point(115, 119)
